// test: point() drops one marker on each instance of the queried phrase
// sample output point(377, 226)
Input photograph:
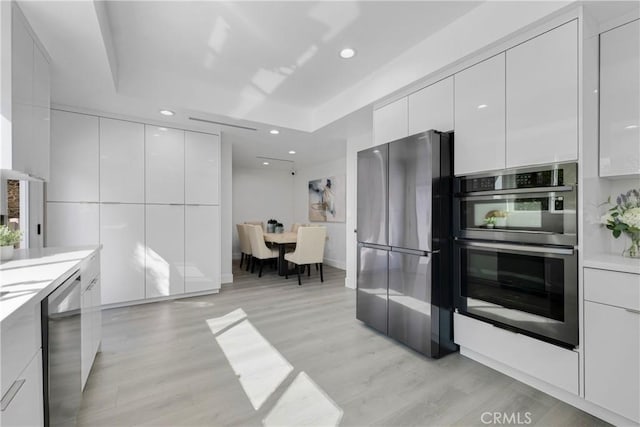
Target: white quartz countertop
point(613, 263)
point(33, 273)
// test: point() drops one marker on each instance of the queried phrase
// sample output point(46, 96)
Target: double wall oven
point(516, 263)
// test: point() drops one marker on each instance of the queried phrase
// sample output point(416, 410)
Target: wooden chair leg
point(286, 270)
point(316, 266)
point(298, 267)
point(253, 264)
point(241, 259)
point(309, 270)
point(321, 276)
point(249, 259)
point(260, 272)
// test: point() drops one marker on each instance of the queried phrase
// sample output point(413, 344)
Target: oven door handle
point(532, 190)
point(522, 248)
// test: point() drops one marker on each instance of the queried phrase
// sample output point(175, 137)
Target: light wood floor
point(161, 365)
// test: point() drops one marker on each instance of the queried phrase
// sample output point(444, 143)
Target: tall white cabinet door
point(612, 352)
point(164, 165)
point(202, 248)
point(164, 250)
point(72, 224)
point(432, 108)
point(21, 60)
point(620, 100)
point(122, 260)
point(74, 158)
point(202, 168)
point(121, 161)
point(542, 98)
point(480, 117)
point(39, 164)
point(391, 121)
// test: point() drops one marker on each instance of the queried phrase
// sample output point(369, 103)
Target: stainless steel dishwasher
point(61, 345)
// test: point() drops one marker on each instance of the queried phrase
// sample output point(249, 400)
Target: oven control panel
point(541, 178)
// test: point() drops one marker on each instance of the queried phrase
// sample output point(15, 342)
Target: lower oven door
point(530, 289)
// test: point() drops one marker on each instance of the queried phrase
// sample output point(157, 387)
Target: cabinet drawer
point(612, 288)
point(541, 360)
point(20, 341)
point(90, 269)
point(23, 406)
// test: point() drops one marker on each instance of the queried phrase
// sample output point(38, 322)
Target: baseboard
point(158, 299)
point(335, 263)
point(226, 278)
point(549, 389)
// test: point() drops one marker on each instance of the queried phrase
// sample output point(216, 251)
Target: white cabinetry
point(432, 108)
point(74, 158)
point(612, 341)
point(202, 168)
point(25, 150)
point(480, 117)
point(22, 403)
point(91, 318)
point(123, 254)
point(121, 161)
point(620, 101)
point(391, 122)
point(164, 165)
point(72, 224)
point(202, 248)
point(542, 98)
point(165, 244)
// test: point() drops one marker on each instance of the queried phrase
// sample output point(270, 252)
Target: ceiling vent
point(195, 119)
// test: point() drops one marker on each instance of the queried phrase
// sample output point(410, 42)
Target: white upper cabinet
point(542, 98)
point(164, 250)
point(480, 117)
point(391, 122)
point(26, 150)
point(164, 165)
point(121, 161)
point(202, 248)
point(74, 158)
point(432, 108)
point(620, 101)
point(202, 168)
point(122, 259)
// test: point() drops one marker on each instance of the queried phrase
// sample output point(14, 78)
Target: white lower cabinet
point(22, 403)
point(612, 341)
point(72, 224)
point(164, 250)
point(91, 318)
point(123, 252)
point(202, 248)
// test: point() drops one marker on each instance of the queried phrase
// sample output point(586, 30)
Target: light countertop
point(612, 262)
point(33, 273)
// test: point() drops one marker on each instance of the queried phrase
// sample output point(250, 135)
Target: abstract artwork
point(327, 199)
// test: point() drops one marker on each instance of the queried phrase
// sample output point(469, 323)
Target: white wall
point(335, 248)
point(258, 195)
point(353, 146)
point(226, 211)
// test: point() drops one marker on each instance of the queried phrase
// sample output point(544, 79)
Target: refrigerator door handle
point(374, 246)
point(414, 251)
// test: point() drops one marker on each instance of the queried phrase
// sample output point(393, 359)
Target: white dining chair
point(259, 249)
point(309, 250)
point(245, 245)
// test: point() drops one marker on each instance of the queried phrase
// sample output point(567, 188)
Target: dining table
point(282, 240)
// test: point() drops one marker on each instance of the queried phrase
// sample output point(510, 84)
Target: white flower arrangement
point(624, 217)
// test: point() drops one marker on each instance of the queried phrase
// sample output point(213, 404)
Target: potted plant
point(624, 217)
point(279, 227)
point(8, 238)
point(271, 225)
point(490, 222)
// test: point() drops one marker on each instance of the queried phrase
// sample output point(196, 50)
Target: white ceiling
point(261, 64)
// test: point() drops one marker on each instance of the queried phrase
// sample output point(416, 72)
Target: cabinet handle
point(92, 284)
point(11, 393)
point(631, 310)
point(39, 178)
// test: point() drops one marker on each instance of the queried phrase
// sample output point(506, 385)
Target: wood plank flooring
point(161, 365)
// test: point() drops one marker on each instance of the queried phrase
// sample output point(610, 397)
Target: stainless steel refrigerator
point(404, 285)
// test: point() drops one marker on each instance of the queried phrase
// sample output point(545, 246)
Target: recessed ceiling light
point(376, 151)
point(167, 112)
point(631, 127)
point(274, 131)
point(347, 53)
point(481, 106)
point(162, 129)
point(265, 163)
point(292, 152)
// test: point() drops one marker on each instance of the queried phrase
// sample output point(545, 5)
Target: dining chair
point(309, 250)
point(259, 249)
point(295, 226)
point(260, 223)
point(245, 245)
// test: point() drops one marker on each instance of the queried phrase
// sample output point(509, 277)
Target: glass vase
point(634, 248)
